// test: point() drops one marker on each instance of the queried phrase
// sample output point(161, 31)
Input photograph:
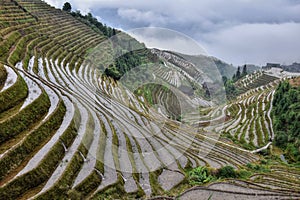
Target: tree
point(238, 73)
point(114, 32)
point(225, 79)
point(244, 73)
point(89, 17)
point(234, 77)
point(67, 7)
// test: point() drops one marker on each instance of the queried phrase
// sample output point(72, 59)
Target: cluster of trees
point(142, 57)
point(230, 88)
point(240, 74)
point(286, 118)
point(123, 64)
point(90, 20)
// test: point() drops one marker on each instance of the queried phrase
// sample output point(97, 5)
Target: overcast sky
point(237, 31)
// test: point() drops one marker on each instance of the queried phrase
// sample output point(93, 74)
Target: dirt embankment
point(295, 82)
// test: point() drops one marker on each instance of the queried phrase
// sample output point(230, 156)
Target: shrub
point(258, 167)
point(227, 172)
point(200, 175)
point(244, 174)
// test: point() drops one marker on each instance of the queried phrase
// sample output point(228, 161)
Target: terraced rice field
point(67, 131)
point(249, 117)
point(255, 80)
point(91, 141)
point(260, 186)
point(246, 119)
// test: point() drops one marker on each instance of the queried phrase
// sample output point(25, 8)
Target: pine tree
point(234, 77)
point(238, 73)
point(244, 73)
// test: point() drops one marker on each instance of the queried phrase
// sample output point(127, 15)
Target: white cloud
point(140, 16)
point(168, 40)
point(55, 3)
point(258, 43)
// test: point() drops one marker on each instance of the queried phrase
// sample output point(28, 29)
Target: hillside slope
point(69, 132)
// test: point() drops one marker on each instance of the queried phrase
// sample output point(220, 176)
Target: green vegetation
point(43, 172)
point(59, 40)
point(258, 168)
point(97, 26)
point(227, 172)
point(6, 45)
point(229, 84)
point(3, 75)
point(88, 185)
point(19, 53)
point(230, 89)
point(128, 61)
point(67, 7)
point(202, 175)
point(286, 118)
point(13, 95)
point(168, 100)
point(61, 188)
point(25, 119)
point(238, 75)
point(36, 138)
point(122, 65)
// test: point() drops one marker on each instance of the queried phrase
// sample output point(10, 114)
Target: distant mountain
point(251, 68)
point(202, 62)
point(224, 68)
point(295, 67)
